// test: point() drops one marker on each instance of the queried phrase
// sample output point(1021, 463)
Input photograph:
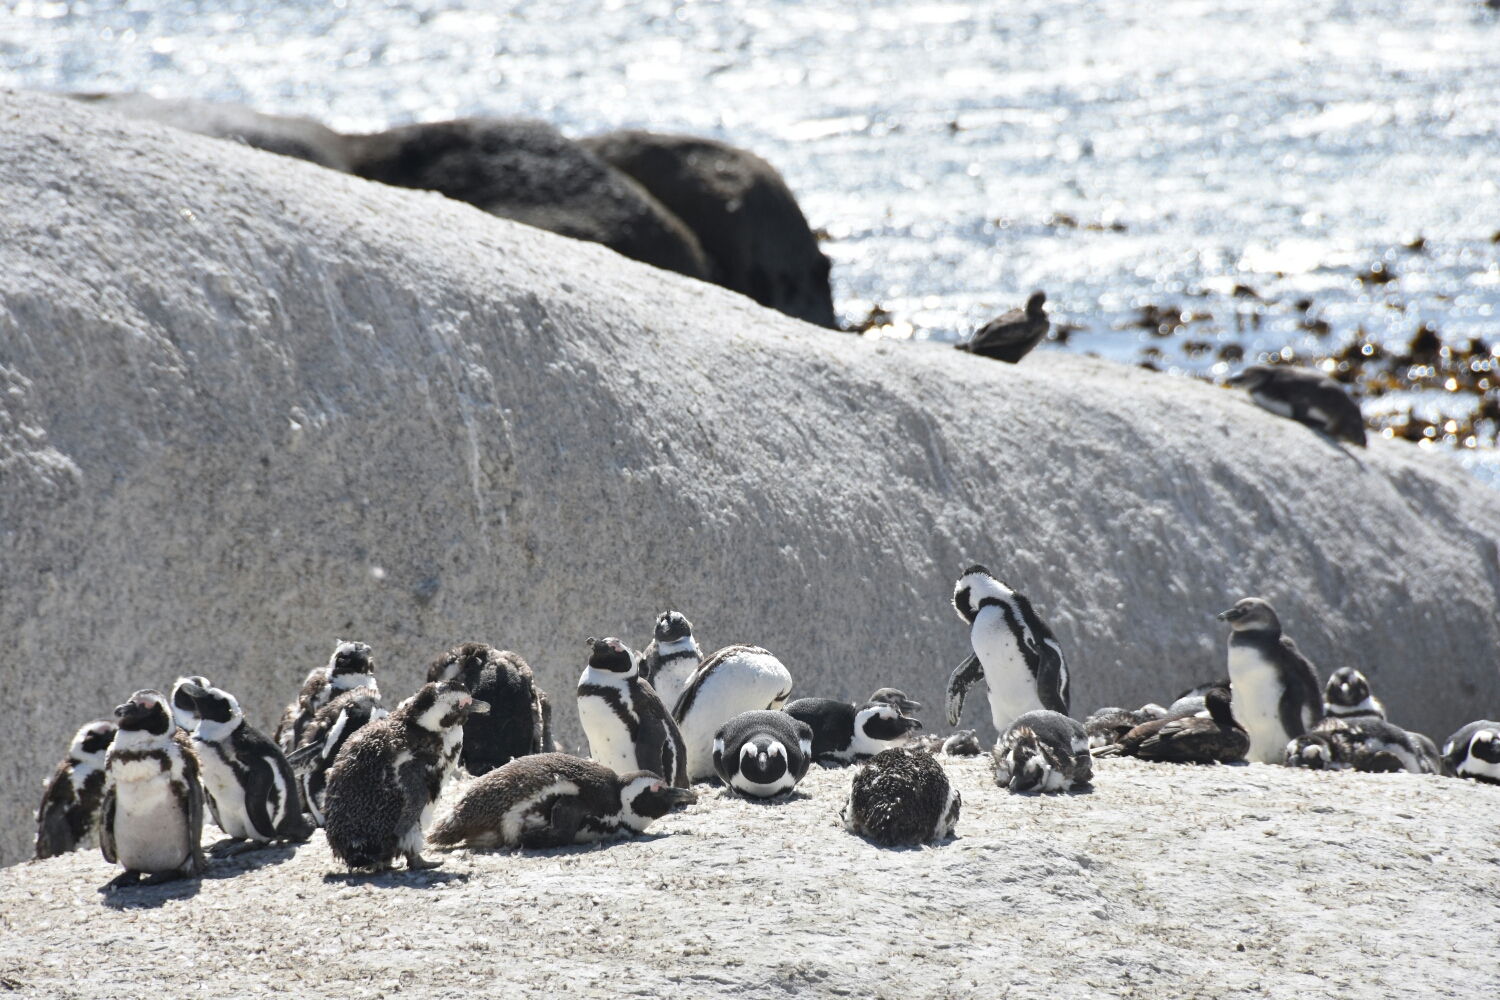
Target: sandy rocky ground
point(1163, 881)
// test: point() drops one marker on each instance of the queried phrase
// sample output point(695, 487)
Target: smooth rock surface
point(1164, 880)
point(251, 407)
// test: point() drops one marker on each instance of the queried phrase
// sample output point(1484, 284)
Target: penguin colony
point(371, 774)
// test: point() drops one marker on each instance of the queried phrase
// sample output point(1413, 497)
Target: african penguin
point(1306, 396)
point(672, 656)
point(69, 815)
point(151, 821)
point(350, 666)
point(1474, 752)
point(628, 727)
point(383, 784)
point(517, 723)
point(964, 743)
point(184, 711)
point(1015, 653)
point(902, 703)
point(901, 796)
point(553, 800)
point(249, 784)
point(762, 754)
point(331, 727)
point(1274, 690)
point(1363, 743)
point(1043, 751)
point(1187, 739)
point(1347, 696)
point(733, 680)
point(842, 732)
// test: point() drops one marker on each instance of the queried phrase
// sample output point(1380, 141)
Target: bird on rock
point(1306, 396)
point(1011, 335)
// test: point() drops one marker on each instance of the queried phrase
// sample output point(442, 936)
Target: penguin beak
point(681, 796)
point(477, 707)
point(1230, 615)
point(131, 710)
point(912, 725)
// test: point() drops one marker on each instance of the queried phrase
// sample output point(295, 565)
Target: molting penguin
point(672, 656)
point(964, 743)
point(331, 727)
point(762, 754)
point(1363, 743)
point(1348, 696)
point(735, 679)
point(1015, 653)
point(382, 787)
point(1043, 751)
point(350, 666)
point(628, 727)
point(1474, 752)
point(1274, 689)
point(69, 815)
point(842, 732)
point(250, 786)
point(553, 800)
point(519, 720)
point(1187, 739)
point(1306, 396)
point(151, 820)
point(901, 796)
point(184, 710)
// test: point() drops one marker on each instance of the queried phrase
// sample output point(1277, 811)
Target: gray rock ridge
point(253, 407)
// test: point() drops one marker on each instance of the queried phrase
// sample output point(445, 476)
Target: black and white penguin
point(901, 796)
point(382, 787)
point(1015, 653)
point(1187, 739)
point(1363, 743)
point(553, 800)
point(1306, 396)
point(672, 656)
point(1190, 702)
point(331, 727)
point(902, 703)
point(1474, 752)
point(842, 733)
point(964, 743)
point(1274, 690)
point(1043, 751)
point(733, 680)
point(69, 815)
point(151, 820)
point(628, 727)
point(762, 754)
point(1347, 696)
point(350, 666)
point(249, 784)
point(1011, 335)
point(519, 721)
point(184, 711)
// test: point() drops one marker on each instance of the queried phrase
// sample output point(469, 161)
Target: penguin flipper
point(1051, 678)
point(258, 788)
point(964, 676)
point(107, 827)
point(562, 828)
point(303, 757)
point(197, 861)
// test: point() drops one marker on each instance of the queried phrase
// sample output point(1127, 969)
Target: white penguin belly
point(745, 682)
point(673, 677)
point(1007, 678)
point(151, 832)
point(1255, 701)
point(219, 780)
point(609, 738)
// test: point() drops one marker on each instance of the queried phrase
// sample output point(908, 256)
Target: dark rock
point(530, 172)
point(742, 212)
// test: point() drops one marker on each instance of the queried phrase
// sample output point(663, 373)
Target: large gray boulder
point(251, 407)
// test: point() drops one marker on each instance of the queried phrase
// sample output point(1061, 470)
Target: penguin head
point(612, 656)
point(891, 696)
point(211, 705)
point(461, 661)
point(644, 796)
point(145, 712)
point(1485, 745)
point(1252, 378)
point(884, 724)
point(90, 742)
point(672, 626)
point(1252, 615)
point(441, 705)
point(976, 588)
point(1346, 688)
point(183, 708)
point(1217, 701)
point(1310, 751)
point(1034, 305)
point(351, 665)
point(763, 759)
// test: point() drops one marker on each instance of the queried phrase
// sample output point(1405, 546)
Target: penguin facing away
point(1347, 695)
point(762, 754)
point(901, 796)
point(517, 724)
point(331, 727)
point(553, 800)
point(350, 666)
point(184, 711)
point(733, 680)
point(672, 656)
point(628, 727)
point(1274, 688)
point(1043, 751)
point(151, 820)
point(1474, 752)
point(1015, 653)
point(69, 815)
point(382, 786)
point(843, 732)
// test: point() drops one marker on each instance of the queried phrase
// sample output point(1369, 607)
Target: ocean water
point(1123, 155)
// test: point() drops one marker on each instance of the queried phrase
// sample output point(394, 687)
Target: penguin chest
point(1256, 689)
point(151, 826)
point(1007, 676)
point(222, 783)
point(604, 721)
point(673, 677)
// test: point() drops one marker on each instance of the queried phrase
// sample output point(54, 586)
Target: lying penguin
point(69, 815)
point(762, 754)
point(1474, 752)
point(1107, 725)
point(901, 796)
point(843, 733)
point(1362, 743)
point(733, 680)
point(1043, 752)
point(1306, 396)
point(1347, 696)
point(553, 800)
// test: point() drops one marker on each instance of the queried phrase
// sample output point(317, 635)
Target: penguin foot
point(161, 878)
point(229, 847)
point(416, 863)
point(124, 880)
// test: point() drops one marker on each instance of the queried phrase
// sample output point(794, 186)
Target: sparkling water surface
point(1214, 161)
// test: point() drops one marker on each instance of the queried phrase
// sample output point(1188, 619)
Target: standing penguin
point(69, 815)
point(735, 679)
point(1274, 689)
point(519, 720)
point(1015, 653)
point(151, 821)
point(1043, 752)
point(331, 727)
point(1474, 752)
point(249, 784)
point(183, 708)
point(382, 787)
point(762, 754)
point(1348, 696)
point(350, 666)
point(843, 732)
point(672, 656)
point(628, 727)
point(553, 800)
point(902, 796)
